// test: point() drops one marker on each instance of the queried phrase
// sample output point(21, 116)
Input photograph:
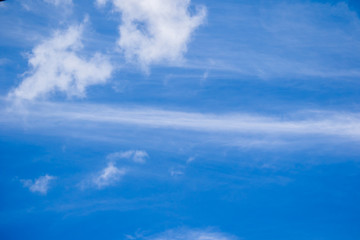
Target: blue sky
point(179, 120)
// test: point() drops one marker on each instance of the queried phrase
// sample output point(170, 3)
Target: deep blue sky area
point(180, 120)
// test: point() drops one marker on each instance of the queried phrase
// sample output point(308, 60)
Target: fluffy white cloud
point(109, 176)
point(155, 31)
point(40, 185)
point(56, 65)
point(136, 156)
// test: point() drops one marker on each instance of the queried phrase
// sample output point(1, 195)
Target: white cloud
point(190, 159)
point(136, 156)
point(237, 128)
point(56, 65)
point(112, 174)
point(309, 122)
point(40, 185)
point(299, 39)
point(59, 2)
point(109, 176)
point(155, 31)
point(120, 155)
point(174, 172)
point(189, 234)
point(140, 156)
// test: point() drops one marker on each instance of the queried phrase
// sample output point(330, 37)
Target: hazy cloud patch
point(40, 185)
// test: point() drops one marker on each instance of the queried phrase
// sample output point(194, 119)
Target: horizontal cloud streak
point(60, 2)
point(190, 234)
point(137, 156)
point(306, 123)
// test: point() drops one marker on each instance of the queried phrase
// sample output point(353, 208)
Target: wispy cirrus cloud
point(60, 2)
point(301, 123)
point(176, 172)
point(56, 65)
point(40, 185)
point(234, 129)
point(110, 175)
point(155, 31)
point(276, 39)
point(186, 234)
point(137, 156)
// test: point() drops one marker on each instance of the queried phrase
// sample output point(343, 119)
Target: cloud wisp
point(112, 174)
point(340, 124)
point(40, 185)
point(108, 176)
point(137, 156)
point(155, 31)
point(60, 2)
point(299, 40)
point(57, 66)
point(187, 234)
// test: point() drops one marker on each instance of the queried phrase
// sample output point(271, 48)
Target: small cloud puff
point(109, 176)
point(190, 159)
point(136, 156)
point(112, 174)
point(40, 185)
point(175, 172)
